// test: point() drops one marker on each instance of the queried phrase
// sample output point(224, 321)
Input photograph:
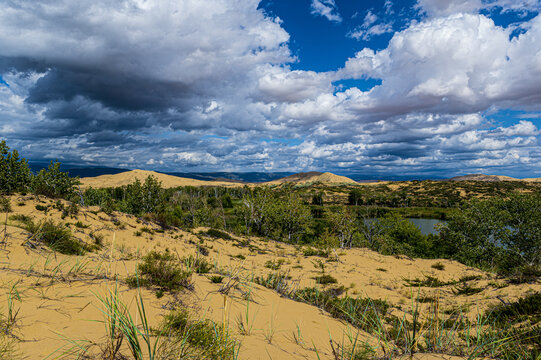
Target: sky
point(416, 88)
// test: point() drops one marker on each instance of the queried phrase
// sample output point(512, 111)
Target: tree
point(343, 225)
point(54, 183)
point(498, 233)
point(15, 174)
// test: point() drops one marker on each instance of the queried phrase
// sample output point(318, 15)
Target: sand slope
point(314, 177)
point(128, 177)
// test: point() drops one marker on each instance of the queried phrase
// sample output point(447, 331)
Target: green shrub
point(5, 204)
point(528, 307)
point(325, 279)
point(162, 270)
point(80, 225)
point(219, 234)
point(210, 340)
point(310, 251)
point(438, 266)
point(41, 208)
point(274, 264)
point(56, 236)
point(216, 279)
point(466, 289)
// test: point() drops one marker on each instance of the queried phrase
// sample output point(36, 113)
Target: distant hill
point(490, 178)
point(129, 177)
point(313, 177)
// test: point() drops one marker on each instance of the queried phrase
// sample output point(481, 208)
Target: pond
point(427, 226)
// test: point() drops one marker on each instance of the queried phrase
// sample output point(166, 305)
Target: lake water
point(427, 226)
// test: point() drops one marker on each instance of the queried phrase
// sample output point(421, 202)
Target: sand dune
point(128, 177)
point(314, 177)
point(58, 293)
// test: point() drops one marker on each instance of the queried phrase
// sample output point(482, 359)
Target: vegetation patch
point(161, 270)
point(55, 236)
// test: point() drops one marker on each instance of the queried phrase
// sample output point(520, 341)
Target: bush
point(325, 279)
point(56, 236)
point(162, 270)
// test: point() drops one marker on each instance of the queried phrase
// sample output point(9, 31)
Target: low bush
point(56, 236)
point(219, 234)
point(161, 270)
point(325, 279)
point(210, 340)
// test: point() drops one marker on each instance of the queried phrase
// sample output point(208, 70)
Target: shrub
point(523, 308)
point(5, 205)
point(438, 266)
point(197, 264)
point(218, 234)
point(216, 279)
point(41, 207)
point(162, 270)
point(56, 236)
point(325, 279)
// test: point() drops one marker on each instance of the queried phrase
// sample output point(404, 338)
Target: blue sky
point(419, 88)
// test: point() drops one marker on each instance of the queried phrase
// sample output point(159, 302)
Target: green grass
point(197, 264)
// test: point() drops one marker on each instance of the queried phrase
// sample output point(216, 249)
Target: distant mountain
point(313, 177)
point(90, 171)
point(489, 178)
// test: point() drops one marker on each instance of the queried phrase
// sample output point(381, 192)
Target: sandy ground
point(58, 295)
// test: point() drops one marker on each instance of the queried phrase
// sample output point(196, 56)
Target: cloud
point(462, 63)
point(327, 9)
point(369, 28)
point(209, 86)
point(438, 8)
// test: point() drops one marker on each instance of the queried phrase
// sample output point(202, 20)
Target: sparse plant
point(438, 266)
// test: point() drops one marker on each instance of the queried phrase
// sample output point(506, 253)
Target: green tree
point(498, 233)
point(344, 225)
point(54, 183)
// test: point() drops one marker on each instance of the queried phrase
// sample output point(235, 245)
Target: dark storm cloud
point(121, 92)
